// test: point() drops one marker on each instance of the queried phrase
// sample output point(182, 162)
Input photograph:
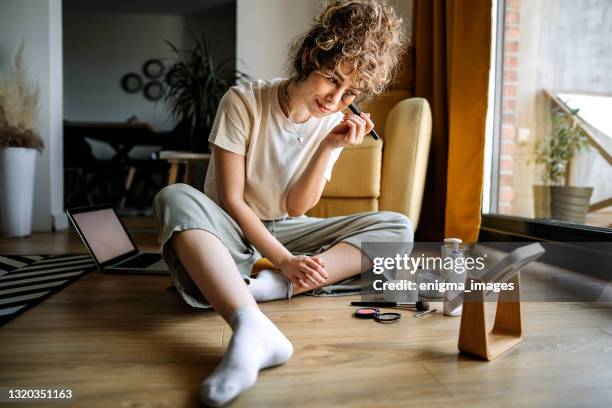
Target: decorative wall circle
point(153, 68)
point(154, 90)
point(131, 82)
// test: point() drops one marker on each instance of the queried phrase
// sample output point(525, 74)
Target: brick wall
point(508, 119)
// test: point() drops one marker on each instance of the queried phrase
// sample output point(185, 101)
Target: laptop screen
point(104, 233)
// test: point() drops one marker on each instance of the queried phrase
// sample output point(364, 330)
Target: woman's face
point(327, 92)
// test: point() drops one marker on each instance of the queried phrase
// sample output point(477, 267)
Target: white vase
point(17, 167)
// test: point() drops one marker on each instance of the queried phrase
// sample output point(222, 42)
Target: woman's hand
point(350, 131)
point(303, 271)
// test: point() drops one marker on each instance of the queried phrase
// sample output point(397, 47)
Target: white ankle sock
point(256, 343)
point(269, 285)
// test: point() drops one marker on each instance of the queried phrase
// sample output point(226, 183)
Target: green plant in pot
point(19, 144)
point(195, 86)
point(554, 152)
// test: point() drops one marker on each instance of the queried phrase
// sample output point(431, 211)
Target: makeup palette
point(374, 313)
point(419, 305)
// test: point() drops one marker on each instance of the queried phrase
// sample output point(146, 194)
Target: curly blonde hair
point(365, 35)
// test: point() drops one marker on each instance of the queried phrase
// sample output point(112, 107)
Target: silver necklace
point(300, 135)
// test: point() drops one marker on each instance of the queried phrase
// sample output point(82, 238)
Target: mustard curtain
point(452, 41)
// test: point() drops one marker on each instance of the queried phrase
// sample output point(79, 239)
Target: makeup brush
point(419, 305)
point(357, 112)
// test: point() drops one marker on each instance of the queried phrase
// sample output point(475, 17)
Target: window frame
point(497, 105)
point(496, 227)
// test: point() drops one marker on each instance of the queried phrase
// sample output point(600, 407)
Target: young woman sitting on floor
point(275, 143)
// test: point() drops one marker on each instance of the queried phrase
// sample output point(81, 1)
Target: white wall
point(266, 28)
point(39, 23)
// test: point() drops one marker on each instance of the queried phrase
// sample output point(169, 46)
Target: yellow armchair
point(387, 174)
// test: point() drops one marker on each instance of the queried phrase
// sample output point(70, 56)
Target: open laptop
point(110, 244)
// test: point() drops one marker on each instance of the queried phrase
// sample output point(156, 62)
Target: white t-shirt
point(250, 122)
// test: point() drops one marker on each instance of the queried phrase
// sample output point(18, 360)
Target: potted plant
point(195, 86)
point(554, 152)
point(19, 143)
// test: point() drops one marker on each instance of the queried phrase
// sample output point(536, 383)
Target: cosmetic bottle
point(453, 299)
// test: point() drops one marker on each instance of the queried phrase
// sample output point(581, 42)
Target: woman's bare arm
point(230, 189)
point(230, 173)
point(306, 192)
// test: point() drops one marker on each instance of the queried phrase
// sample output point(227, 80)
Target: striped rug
point(27, 280)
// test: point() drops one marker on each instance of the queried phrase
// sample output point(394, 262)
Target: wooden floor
point(126, 341)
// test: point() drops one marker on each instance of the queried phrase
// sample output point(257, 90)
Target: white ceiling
point(182, 7)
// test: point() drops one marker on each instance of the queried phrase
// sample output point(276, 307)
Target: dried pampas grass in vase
point(18, 107)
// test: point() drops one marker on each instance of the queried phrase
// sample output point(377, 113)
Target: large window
point(551, 96)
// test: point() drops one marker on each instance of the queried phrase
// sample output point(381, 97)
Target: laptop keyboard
point(140, 261)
